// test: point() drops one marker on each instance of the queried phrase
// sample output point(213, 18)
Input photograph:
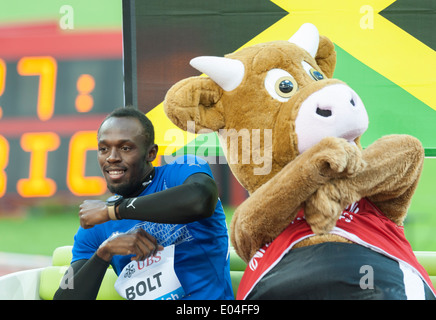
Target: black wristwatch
point(111, 204)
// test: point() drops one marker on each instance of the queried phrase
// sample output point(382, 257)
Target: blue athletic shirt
point(202, 256)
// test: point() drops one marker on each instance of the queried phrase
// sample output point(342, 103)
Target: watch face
point(113, 198)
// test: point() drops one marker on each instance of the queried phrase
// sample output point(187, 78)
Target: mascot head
point(269, 103)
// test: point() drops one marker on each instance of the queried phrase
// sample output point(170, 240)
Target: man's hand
point(93, 212)
point(138, 242)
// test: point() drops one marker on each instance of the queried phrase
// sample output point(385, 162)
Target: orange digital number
point(2, 76)
point(4, 156)
point(38, 144)
point(2, 81)
point(80, 143)
point(46, 69)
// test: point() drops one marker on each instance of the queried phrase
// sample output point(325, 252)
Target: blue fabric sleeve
point(185, 166)
point(86, 243)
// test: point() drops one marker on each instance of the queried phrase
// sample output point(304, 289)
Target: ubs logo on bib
point(149, 261)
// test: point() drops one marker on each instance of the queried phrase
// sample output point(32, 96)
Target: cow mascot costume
point(324, 219)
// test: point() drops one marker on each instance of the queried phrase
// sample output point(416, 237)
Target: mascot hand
point(324, 207)
point(337, 158)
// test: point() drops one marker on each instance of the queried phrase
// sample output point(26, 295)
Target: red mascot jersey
point(362, 223)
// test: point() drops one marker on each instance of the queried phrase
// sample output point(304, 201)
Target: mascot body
point(324, 217)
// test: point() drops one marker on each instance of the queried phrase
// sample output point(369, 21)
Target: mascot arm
point(268, 210)
point(394, 165)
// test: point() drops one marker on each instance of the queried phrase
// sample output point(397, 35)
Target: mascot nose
point(327, 111)
point(333, 111)
point(323, 112)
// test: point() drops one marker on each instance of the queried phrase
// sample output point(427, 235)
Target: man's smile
point(115, 174)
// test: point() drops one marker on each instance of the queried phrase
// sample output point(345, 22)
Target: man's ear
point(152, 153)
point(326, 56)
point(195, 99)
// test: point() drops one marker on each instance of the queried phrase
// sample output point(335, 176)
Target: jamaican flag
point(386, 52)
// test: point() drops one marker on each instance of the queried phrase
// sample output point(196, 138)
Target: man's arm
point(193, 200)
point(87, 275)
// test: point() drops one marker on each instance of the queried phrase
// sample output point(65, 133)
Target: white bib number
point(151, 279)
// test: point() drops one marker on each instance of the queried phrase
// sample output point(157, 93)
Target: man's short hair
point(132, 112)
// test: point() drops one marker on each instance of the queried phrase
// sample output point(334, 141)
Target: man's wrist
point(111, 212)
point(112, 204)
point(117, 211)
point(103, 253)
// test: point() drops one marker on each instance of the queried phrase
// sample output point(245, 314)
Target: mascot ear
point(326, 56)
point(198, 98)
point(195, 99)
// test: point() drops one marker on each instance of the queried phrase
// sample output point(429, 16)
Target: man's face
point(122, 155)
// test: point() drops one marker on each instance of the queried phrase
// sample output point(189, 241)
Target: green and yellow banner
point(385, 52)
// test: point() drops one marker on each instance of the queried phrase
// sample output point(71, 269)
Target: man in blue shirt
point(154, 208)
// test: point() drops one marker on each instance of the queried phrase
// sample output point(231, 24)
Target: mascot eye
point(286, 87)
point(315, 74)
point(280, 84)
